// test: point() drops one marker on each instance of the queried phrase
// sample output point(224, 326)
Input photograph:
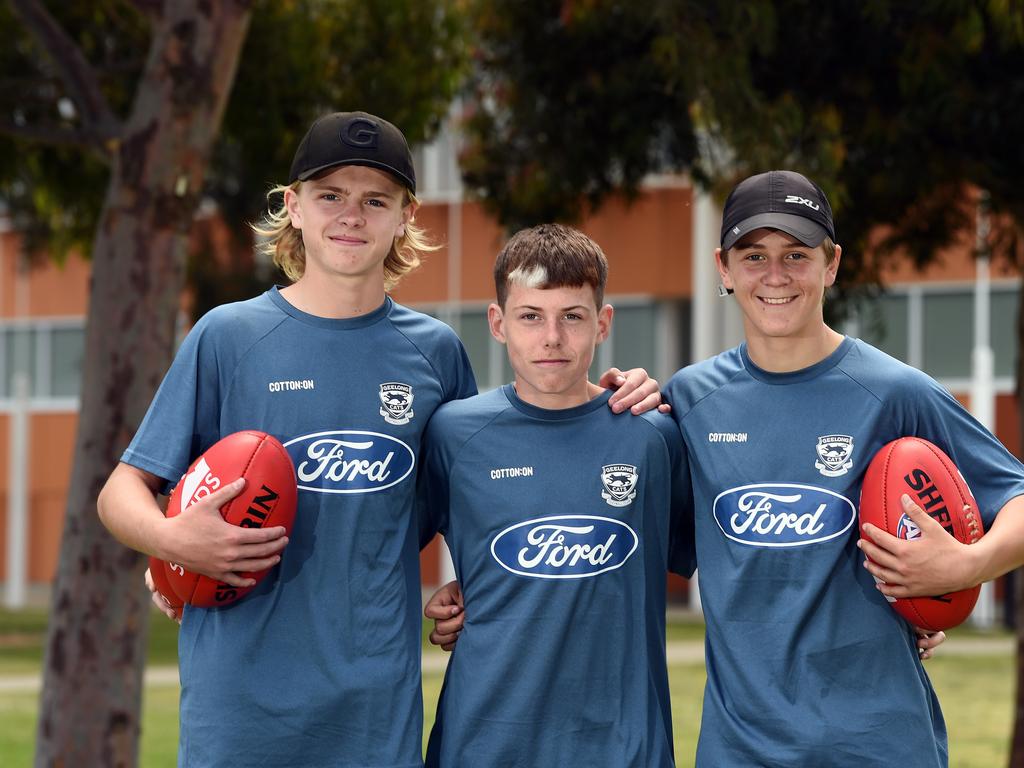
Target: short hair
point(283, 242)
point(550, 256)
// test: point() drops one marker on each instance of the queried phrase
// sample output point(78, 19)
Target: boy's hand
point(634, 389)
point(158, 601)
point(446, 609)
point(201, 541)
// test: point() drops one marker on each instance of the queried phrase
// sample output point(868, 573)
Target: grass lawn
point(976, 694)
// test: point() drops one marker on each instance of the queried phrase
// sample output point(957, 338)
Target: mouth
point(774, 301)
point(550, 363)
point(345, 240)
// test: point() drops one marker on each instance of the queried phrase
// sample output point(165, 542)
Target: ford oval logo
point(564, 547)
point(349, 461)
point(783, 515)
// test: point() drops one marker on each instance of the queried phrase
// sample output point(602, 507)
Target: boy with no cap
point(562, 520)
point(319, 665)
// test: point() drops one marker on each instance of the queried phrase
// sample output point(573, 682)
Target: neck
point(557, 401)
point(337, 298)
point(786, 354)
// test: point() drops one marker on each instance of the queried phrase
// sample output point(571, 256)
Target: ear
point(291, 203)
point(408, 214)
point(723, 269)
point(496, 322)
point(604, 322)
point(832, 269)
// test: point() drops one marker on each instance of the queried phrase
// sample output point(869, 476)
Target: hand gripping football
point(920, 469)
point(268, 499)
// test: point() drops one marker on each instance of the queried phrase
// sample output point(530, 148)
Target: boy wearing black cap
point(807, 663)
point(319, 665)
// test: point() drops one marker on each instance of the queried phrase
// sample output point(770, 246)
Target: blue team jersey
point(320, 664)
point(807, 664)
point(560, 524)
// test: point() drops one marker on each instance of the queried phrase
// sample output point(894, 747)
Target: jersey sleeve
point(183, 418)
point(432, 494)
point(993, 474)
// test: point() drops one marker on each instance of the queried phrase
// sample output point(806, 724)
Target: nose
point(552, 334)
point(775, 273)
point(350, 212)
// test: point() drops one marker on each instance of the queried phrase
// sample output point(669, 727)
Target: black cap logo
point(361, 133)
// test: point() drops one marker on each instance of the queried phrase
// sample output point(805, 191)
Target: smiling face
point(550, 334)
point(349, 218)
point(779, 284)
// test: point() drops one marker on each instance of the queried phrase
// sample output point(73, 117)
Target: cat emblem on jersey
point(396, 399)
point(619, 481)
point(834, 452)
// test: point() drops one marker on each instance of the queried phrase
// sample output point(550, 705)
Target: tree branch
point(52, 134)
point(74, 70)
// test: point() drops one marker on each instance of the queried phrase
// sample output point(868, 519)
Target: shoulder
point(422, 330)
point(456, 421)
point(691, 384)
point(884, 376)
point(239, 319)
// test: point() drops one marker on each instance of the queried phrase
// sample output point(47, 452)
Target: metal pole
point(983, 373)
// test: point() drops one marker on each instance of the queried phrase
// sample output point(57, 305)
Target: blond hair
point(283, 242)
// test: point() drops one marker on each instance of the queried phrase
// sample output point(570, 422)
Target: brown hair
point(550, 256)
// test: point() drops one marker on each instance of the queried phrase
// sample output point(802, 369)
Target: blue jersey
point(320, 664)
point(560, 524)
point(807, 664)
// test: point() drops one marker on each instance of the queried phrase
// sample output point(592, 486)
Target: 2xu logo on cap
point(782, 515)
point(564, 546)
point(361, 133)
point(349, 461)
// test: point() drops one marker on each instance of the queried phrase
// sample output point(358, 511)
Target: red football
point(163, 586)
point(913, 466)
point(268, 499)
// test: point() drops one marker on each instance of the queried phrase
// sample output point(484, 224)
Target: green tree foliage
point(401, 60)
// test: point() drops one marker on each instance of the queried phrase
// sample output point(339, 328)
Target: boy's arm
point(936, 563)
point(198, 539)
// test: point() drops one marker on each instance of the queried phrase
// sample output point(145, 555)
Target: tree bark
point(1017, 740)
point(95, 654)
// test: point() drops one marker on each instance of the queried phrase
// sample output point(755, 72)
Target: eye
point(376, 202)
point(328, 196)
point(573, 316)
point(796, 256)
point(754, 257)
point(529, 316)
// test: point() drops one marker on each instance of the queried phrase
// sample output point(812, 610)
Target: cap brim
point(808, 232)
point(399, 177)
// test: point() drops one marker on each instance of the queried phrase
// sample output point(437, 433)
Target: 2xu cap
point(783, 200)
point(353, 138)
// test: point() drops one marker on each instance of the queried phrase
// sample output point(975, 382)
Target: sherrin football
point(268, 499)
point(914, 466)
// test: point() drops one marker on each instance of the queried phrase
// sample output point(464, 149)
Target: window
point(49, 353)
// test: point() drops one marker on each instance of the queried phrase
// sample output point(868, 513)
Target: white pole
point(17, 508)
point(983, 374)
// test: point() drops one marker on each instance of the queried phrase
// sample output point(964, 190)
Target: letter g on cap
point(361, 133)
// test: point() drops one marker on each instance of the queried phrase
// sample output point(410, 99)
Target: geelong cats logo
point(834, 452)
point(619, 481)
point(396, 399)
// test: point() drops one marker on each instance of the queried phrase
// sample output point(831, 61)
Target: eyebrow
point(541, 309)
point(747, 246)
point(368, 193)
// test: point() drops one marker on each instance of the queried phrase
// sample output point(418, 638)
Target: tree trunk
point(95, 654)
point(1017, 742)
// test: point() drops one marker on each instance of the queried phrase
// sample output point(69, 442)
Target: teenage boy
point(561, 519)
point(319, 665)
point(807, 663)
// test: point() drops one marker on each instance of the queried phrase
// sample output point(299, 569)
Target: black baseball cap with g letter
point(783, 200)
point(353, 138)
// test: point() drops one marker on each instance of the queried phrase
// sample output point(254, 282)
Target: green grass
point(976, 694)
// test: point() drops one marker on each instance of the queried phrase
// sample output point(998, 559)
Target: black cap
point(784, 200)
point(353, 138)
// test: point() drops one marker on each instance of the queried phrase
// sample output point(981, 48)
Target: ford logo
point(564, 547)
point(349, 461)
point(783, 515)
